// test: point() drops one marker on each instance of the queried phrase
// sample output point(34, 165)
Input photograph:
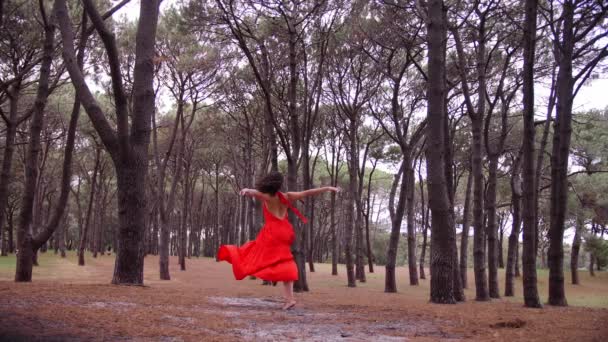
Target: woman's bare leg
point(290, 301)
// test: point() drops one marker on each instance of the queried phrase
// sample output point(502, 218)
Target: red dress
point(269, 256)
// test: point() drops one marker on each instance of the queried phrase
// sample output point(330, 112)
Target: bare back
point(275, 207)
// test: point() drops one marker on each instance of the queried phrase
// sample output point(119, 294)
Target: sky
point(591, 96)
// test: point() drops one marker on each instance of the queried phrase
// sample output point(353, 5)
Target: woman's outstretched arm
point(294, 196)
point(255, 194)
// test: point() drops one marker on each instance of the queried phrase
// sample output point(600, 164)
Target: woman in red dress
point(269, 256)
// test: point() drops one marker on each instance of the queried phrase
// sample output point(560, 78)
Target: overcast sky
point(592, 96)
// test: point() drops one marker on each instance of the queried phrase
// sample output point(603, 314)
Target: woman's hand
point(334, 189)
point(246, 192)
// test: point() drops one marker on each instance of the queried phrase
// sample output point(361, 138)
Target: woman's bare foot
point(290, 304)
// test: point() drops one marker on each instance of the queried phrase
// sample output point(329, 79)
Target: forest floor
point(66, 302)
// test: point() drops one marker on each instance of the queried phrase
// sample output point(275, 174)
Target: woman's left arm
point(255, 194)
point(294, 196)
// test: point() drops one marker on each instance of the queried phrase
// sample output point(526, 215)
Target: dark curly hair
point(270, 184)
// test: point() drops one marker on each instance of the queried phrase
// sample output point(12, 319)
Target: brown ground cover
point(71, 303)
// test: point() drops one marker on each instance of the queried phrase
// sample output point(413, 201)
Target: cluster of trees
point(423, 111)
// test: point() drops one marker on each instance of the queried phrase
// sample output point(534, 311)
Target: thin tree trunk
point(390, 283)
point(334, 237)
point(576, 246)
point(512, 249)
point(425, 215)
point(353, 161)
point(83, 237)
point(411, 229)
point(491, 228)
point(464, 238)
point(501, 235)
point(370, 257)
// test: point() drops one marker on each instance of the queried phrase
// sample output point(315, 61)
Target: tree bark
point(464, 238)
point(424, 212)
point(516, 194)
point(87, 223)
point(128, 149)
point(27, 246)
point(390, 283)
point(491, 228)
point(7, 161)
point(529, 201)
point(559, 160)
point(576, 247)
point(411, 229)
point(442, 225)
point(501, 236)
point(353, 160)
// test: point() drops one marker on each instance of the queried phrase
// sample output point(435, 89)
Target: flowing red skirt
point(268, 257)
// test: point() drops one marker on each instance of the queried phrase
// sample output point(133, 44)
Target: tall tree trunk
point(299, 246)
point(334, 236)
point(7, 161)
point(464, 238)
point(512, 249)
point(529, 199)
point(479, 256)
point(27, 248)
point(517, 260)
point(559, 160)
point(442, 225)
point(83, 236)
point(351, 224)
point(184, 226)
point(128, 144)
point(492, 228)
point(390, 283)
point(501, 236)
point(370, 257)
point(424, 212)
point(411, 229)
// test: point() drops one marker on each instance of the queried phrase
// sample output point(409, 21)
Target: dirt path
point(70, 303)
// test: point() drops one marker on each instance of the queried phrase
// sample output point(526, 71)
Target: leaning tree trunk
point(531, 298)
point(442, 224)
